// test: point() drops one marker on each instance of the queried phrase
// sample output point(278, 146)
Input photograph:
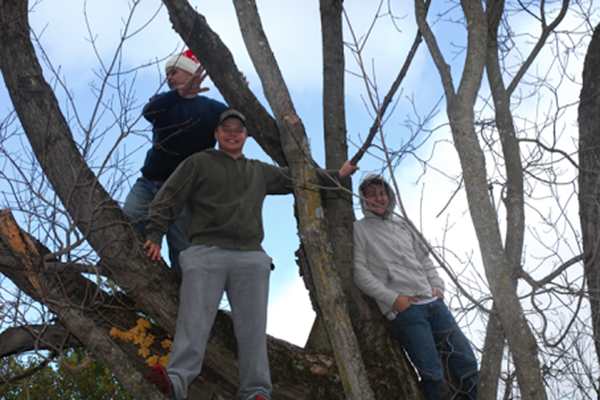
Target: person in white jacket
point(392, 265)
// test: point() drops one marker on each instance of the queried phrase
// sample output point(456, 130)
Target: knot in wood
point(27, 83)
point(291, 119)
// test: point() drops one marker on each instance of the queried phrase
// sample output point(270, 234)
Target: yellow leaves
point(139, 336)
point(152, 361)
point(144, 352)
point(114, 333)
point(143, 324)
point(164, 360)
point(166, 344)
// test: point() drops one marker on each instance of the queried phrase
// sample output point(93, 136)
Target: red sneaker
point(159, 377)
point(258, 398)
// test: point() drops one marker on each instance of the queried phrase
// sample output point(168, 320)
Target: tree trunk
point(218, 61)
point(494, 340)
point(152, 287)
point(589, 177)
point(460, 109)
point(311, 221)
point(385, 360)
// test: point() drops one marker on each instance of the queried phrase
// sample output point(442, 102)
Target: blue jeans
point(136, 207)
point(432, 339)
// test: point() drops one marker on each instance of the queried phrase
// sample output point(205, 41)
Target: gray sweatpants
point(244, 276)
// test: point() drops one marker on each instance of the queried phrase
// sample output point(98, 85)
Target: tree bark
point(589, 177)
point(34, 338)
point(218, 61)
point(384, 358)
point(460, 110)
point(514, 199)
point(152, 287)
point(493, 349)
point(311, 221)
point(296, 373)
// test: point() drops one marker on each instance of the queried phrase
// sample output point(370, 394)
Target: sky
point(83, 48)
point(79, 51)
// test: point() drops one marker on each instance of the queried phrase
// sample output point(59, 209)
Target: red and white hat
point(186, 61)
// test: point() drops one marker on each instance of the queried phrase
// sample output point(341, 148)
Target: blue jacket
point(181, 127)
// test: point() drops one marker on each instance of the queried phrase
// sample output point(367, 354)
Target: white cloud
point(290, 314)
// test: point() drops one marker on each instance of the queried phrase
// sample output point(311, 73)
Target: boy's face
point(231, 136)
point(377, 199)
point(176, 77)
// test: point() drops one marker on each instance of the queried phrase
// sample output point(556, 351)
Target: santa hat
point(186, 61)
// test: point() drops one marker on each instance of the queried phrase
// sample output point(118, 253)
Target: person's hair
point(371, 182)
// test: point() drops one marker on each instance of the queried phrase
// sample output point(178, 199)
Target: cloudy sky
point(80, 40)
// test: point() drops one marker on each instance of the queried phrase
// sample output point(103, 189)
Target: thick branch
point(494, 342)
point(34, 338)
point(434, 49)
point(589, 176)
point(334, 111)
point(218, 62)
point(49, 290)
point(310, 220)
point(96, 215)
point(498, 272)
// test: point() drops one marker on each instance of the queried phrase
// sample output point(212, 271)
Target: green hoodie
point(223, 197)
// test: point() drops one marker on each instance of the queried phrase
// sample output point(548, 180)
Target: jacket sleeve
point(364, 277)
point(328, 177)
point(422, 254)
point(170, 200)
point(160, 105)
point(279, 179)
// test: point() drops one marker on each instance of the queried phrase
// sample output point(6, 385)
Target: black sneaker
point(159, 377)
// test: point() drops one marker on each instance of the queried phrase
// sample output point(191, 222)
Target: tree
point(588, 177)
point(91, 380)
point(496, 149)
point(488, 49)
point(111, 237)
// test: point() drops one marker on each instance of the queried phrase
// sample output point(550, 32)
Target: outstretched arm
point(347, 169)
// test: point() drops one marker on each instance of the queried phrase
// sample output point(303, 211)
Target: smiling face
point(231, 135)
point(378, 200)
point(176, 77)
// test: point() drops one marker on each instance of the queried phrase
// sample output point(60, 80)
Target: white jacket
point(389, 258)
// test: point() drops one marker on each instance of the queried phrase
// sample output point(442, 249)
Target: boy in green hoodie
point(223, 193)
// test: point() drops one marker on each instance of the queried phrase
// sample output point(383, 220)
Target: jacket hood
point(375, 179)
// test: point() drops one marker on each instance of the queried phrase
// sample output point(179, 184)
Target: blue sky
point(293, 28)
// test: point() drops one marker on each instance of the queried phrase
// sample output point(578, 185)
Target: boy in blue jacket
point(183, 123)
